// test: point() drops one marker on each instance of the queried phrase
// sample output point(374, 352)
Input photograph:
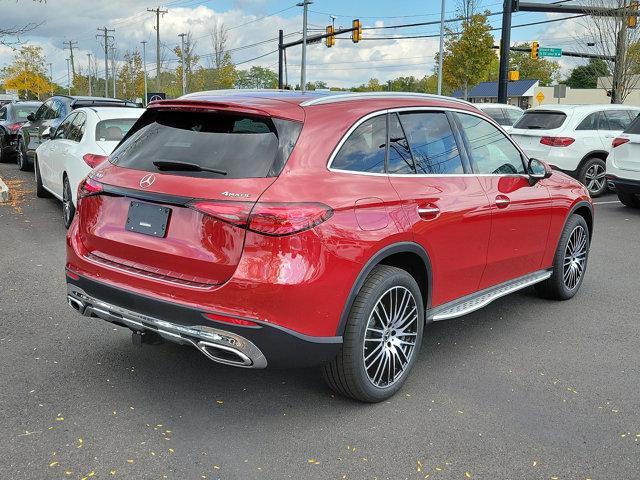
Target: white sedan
point(83, 140)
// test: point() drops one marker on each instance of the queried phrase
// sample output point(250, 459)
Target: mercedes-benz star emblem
point(147, 180)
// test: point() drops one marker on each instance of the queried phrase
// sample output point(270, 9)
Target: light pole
point(68, 79)
point(89, 55)
point(441, 49)
point(144, 69)
point(184, 69)
point(51, 76)
point(303, 68)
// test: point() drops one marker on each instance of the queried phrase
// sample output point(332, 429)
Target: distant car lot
point(525, 388)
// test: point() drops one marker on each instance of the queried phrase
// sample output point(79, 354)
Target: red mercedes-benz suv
point(288, 229)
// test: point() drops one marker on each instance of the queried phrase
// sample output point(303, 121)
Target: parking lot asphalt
point(523, 389)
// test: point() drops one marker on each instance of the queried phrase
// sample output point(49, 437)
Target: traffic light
point(331, 39)
point(534, 50)
point(356, 34)
point(632, 20)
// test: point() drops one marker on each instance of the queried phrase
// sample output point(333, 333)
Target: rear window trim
point(543, 111)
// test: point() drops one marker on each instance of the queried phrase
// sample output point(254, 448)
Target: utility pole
point(618, 66)
point(184, 66)
point(505, 44)
point(144, 70)
point(441, 48)
point(280, 54)
point(157, 11)
point(89, 75)
point(303, 68)
point(51, 76)
point(68, 79)
point(106, 38)
point(113, 68)
point(71, 44)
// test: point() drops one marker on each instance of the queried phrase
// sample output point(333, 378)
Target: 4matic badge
point(236, 195)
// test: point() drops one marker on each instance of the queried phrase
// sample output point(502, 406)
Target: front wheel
point(382, 337)
point(570, 261)
point(68, 209)
point(593, 176)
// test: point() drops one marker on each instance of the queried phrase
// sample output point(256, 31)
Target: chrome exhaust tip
point(223, 354)
point(75, 304)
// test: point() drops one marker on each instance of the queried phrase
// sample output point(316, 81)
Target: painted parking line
point(603, 203)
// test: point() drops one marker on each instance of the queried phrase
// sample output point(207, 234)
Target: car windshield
point(22, 111)
point(113, 129)
point(541, 120)
point(242, 146)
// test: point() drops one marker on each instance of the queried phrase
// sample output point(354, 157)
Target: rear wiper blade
point(175, 166)
point(534, 127)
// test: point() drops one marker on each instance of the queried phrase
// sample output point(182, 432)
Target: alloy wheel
point(390, 337)
point(575, 257)
point(595, 178)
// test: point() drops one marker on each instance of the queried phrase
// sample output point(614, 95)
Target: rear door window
point(513, 115)
point(364, 150)
point(616, 120)
point(76, 130)
point(64, 130)
point(490, 150)
point(432, 143)
point(242, 146)
point(541, 120)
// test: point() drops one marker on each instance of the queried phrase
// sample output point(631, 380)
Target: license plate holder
point(148, 219)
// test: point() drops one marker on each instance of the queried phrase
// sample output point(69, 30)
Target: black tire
point(592, 175)
point(21, 156)
point(41, 192)
point(562, 285)
point(348, 373)
point(629, 199)
point(68, 209)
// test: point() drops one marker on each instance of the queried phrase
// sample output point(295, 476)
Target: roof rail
point(348, 96)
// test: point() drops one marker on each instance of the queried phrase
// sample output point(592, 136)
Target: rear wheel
point(68, 209)
point(629, 199)
point(593, 176)
point(41, 192)
point(21, 156)
point(382, 337)
point(570, 261)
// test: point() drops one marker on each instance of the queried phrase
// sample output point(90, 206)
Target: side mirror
point(538, 170)
point(46, 135)
point(31, 117)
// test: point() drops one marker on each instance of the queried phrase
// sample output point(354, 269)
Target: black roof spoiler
point(104, 102)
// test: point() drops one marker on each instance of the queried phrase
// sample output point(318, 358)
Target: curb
point(4, 192)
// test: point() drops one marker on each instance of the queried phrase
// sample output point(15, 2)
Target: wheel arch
point(601, 154)
point(408, 256)
point(585, 210)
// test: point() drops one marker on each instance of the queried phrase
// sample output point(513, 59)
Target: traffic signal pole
point(280, 55)
point(505, 44)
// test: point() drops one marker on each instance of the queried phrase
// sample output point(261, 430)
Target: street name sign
point(549, 52)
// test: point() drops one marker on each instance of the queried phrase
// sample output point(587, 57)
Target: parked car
point(574, 138)
point(50, 114)
point(83, 140)
point(289, 229)
point(12, 116)
point(623, 165)
point(503, 113)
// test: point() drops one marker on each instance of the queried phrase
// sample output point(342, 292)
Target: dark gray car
point(12, 116)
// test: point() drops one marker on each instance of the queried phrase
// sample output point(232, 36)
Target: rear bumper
point(624, 185)
point(242, 346)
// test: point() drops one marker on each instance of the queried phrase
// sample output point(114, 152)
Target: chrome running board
point(476, 301)
point(217, 345)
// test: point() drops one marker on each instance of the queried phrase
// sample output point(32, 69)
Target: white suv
point(623, 165)
point(574, 138)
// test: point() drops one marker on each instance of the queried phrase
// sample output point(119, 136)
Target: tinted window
point(616, 120)
point(45, 109)
point(64, 129)
point(364, 149)
point(513, 115)
point(52, 111)
point(76, 130)
point(22, 111)
point(541, 120)
point(590, 122)
point(114, 129)
point(3, 113)
point(497, 114)
point(432, 143)
point(399, 157)
point(61, 109)
point(243, 146)
point(490, 150)
point(634, 127)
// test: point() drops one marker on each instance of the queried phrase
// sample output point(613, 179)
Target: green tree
point(131, 76)
point(27, 72)
point(191, 60)
point(468, 55)
point(586, 76)
point(257, 77)
point(541, 69)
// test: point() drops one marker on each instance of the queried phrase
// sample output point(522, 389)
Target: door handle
point(428, 211)
point(502, 201)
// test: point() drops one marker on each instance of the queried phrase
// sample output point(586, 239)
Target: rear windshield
point(498, 115)
point(634, 127)
point(239, 145)
point(540, 120)
point(22, 111)
point(114, 129)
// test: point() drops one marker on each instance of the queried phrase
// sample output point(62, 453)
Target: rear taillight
point(619, 141)
point(13, 128)
point(93, 159)
point(89, 187)
point(232, 320)
point(276, 219)
point(557, 141)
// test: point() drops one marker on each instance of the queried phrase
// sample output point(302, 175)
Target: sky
point(254, 21)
